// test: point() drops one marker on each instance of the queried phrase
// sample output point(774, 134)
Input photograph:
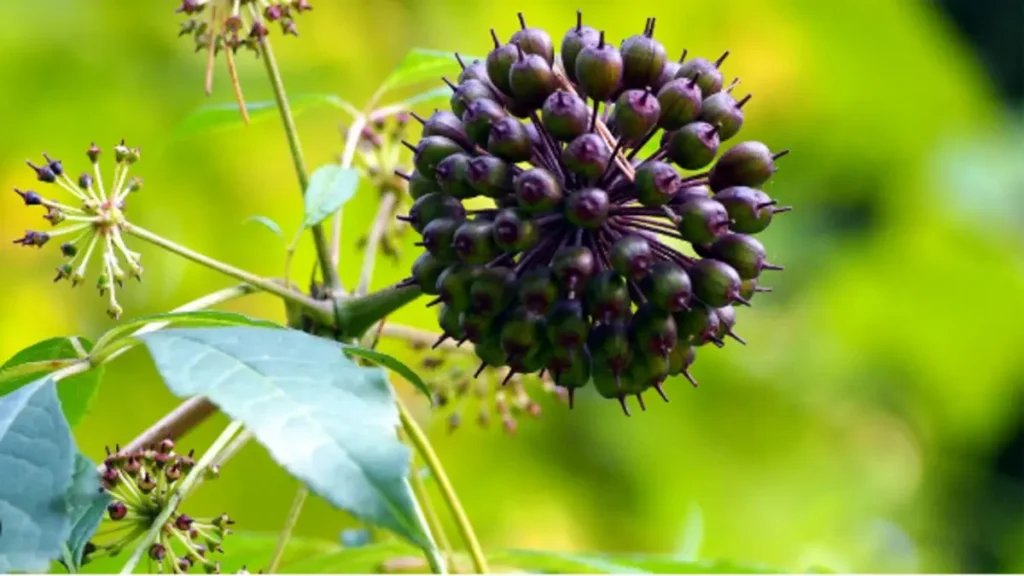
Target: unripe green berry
point(531, 80)
point(587, 156)
point(693, 146)
point(428, 208)
point(607, 297)
point(492, 290)
point(509, 140)
point(565, 115)
point(573, 266)
point(749, 209)
point(668, 73)
point(702, 220)
point(571, 368)
point(476, 326)
point(643, 59)
point(575, 40)
point(537, 290)
point(680, 102)
point(534, 41)
point(722, 110)
point(599, 70)
point(667, 286)
point(420, 185)
point(489, 350)
point(656, 183)
point(450, 321)
point(468, 92)
point(447, 124)
point(453, 285)
point(479, 117)
point(499, 62)
point(438, 238)
point(453, 176)
point(744, 253)
point(636, 114)
point(631, 256)
point(715, 283)
point(680, 359)
point(514, 231)
point(490, 176)
point(431, 151)
point(426, 270)
point(746, 164)
point(474, 242)
point(710, 78)
point(609, 345)
point(567, 325)
point(521, 332)
point(697, 326)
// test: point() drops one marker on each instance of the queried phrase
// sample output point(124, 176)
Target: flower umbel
point(578, 269)
point(90, 226)
point(140, 485)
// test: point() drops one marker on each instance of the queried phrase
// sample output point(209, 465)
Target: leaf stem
point(289, 526)
point(380, 223)
point(422, 444)
point(193, 480)
point(419, 489)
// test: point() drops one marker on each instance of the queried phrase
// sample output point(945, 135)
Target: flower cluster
point(578, 267)
point(91, 224)
point(140, 485)
point(234, 24)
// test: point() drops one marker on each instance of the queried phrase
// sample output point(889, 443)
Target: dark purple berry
point(722, 110)
point(474, 242)
point(534, 41)
point(575, 40)
point(509, 140)
point(587, 208)
point(490, 176)
point(680, 102)
point(710, 77)
point(426, 270)
point(689, 192)
point(636, 114)
point(599, 70)
point(538, 191)
point(573, 266)
point(430, 151)
point(428, 208)
point(531, 80)
point(453, 176)
point(668, 73)
point(693, 146)
point(477, 70)
point(607, 297)
point(745, 164)
point(514, 231)
point(479, 117)
point(117, 510)
point(702, 221)
point(631, 256)
point(565, 116)
point(656, 183)
point(587, 156)
point(715, 283)
point(750, 209)
point(468, 92)
point(30, 197)
point(447, 124)
point(643, 59)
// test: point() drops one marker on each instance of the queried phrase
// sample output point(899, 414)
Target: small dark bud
point(85, 181)
point(43, 173)
point(117, 510)
point(183, 522)
point(33, 238)
point(157, 552)
point(30, 197)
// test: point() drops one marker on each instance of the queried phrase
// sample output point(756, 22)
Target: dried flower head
point(140, 485)
point(90, 226)
point(577, 270)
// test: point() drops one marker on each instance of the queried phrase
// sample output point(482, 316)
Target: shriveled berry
point(599, 70)
point(656, 183)
point(492, 290)
point(420, 185)
point(745, 164)
point(750, 209)
point(565, 115)
point(453, 176)
point(715, 283)
point(468, 92)
point(567, 325)
point(447, 124)
point(479, 117)
point(702, 220)
point(680, 101)
point(531, 80)
point(509, 140)
point(534, 41)
point(474, 242)
point(607, 297)
point(636, 114)
point(514, 231)
point(710, 79)
point(438, 236)
point(643, 59)
point(575, 40)
point(573, 266)
point(426, 270)
point(449, 319)
point(744, 253)
point(653, 331)
point(430, 151)
point(537, 290)
point(631, 256)
point(722, 110)
point(490, 176)
point(453, 285)
point(499, 62)
point(587, 156)
point(430, 207)
point(521, 332)
point(667, 286)
point(537, 191)
point(587, 208)
point(697, 326)
point(693, 146)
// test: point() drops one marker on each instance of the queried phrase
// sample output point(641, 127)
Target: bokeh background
point(875, 422)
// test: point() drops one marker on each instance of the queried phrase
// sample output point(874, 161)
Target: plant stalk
point(426, 451)
point(419, 489)
point(289, 526)
point(380, 224)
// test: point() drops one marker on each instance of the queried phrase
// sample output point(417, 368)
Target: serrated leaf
point(421, 65)
point(328, 421)
point(391, 363)
point(193, 318)
point(218, 117)
point(267, 223)
point(37, 457)
point(330, 188)
point(87, 504)
point(75, 392)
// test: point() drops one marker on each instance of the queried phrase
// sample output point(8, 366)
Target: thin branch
point(380, 225)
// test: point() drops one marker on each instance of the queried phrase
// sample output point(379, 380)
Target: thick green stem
point(289, 526)
point(330, 271)
point(419, 489)
point(358, 314)
point(426, 451)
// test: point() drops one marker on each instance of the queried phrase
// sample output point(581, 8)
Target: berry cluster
point(576, 270)
point(141, 484)
point(237, 24)
point(95, 222)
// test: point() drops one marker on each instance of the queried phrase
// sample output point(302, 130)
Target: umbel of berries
point(90, 226)
point(576, 269)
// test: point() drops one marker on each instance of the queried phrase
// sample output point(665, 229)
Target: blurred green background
point(875, 421)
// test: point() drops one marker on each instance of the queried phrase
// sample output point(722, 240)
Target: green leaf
point(194, 318)
point(571, 563)
point(328, 421)
point(75, 392)
point(330, 187)
point(267, 223)
point(421, 65)
point(37, 457)
point(391, 363)
point(87, 504)
point(219, 117)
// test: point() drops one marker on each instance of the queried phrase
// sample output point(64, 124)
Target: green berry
point(643, 59)
point(430, 151)
point(609, 344)
point(726, 322)
point(680, 359)
point(599, 70)
point(450, 321)
point(438, 236)
point(607, 297)
point(521, 332)
point(509, 140)
point(474, 242)
point(710, 77)
point(667, 286)
point(499, 62)
point(534, 41)
point(631, 256)
point(476, 326)
point(453, 285)
point(575, 40)
point(537, 290)
point(668, 73)
point(490, 176)
point(653, 331)
point(636, 114)
point(744, 253)
point(587, 156)
point(514, 231)
point(693, 146)
point(565, 116)
point(477, 70)
point(715, 283)
point(750, 287)
point(479, 117)
point(571, 368)
point(490, 352)
point(645, 371)
point(430, 207)
point(420, 185)
point(573, 266)
point(468, 92)
point(447, 124)
point(750, 209)
point(746, 164)
point(492, 290)
point(567, 325)
point(656, 183)
point(453, 176)
point(702, 220)
point(426, 270)
point(587, 208)
point(531, 80)
point(537, 191)
point(680, 101)
point(723, 111)
point(697, 326)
